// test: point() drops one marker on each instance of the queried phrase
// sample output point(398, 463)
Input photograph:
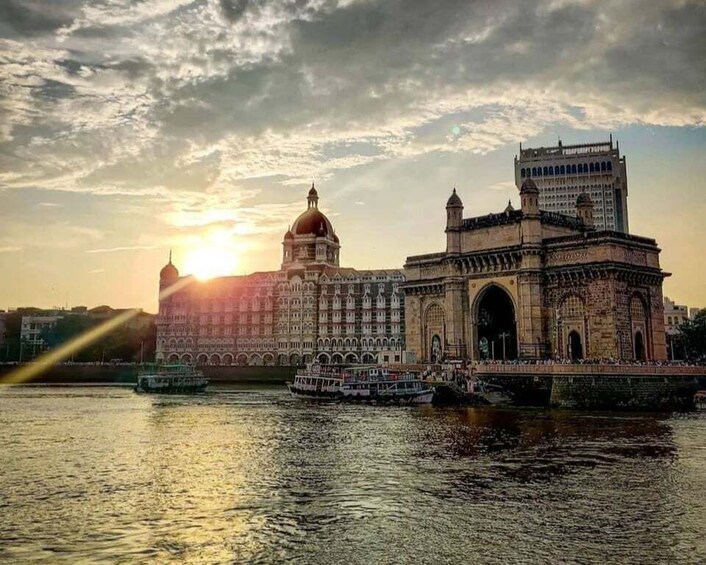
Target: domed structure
point(529, 187)
point(584, 200)
point(312, 222)
point(169, 272)
point(454, 200)
point(311, 239)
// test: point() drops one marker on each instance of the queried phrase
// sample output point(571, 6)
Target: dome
point(509, 207)
point(312, 191)
point(584, 200)
point(169, 271)
point(335, 238)
point(454, 200)
point(312, 222)
point(288, 235)
point(529, 187)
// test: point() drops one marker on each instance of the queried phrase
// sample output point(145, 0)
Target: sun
point(214, 257)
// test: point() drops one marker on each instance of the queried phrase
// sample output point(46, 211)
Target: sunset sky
point(131, 127)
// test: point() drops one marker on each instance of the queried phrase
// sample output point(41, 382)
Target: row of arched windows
point(551, 170)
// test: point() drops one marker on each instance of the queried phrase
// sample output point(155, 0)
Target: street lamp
point(503, 336)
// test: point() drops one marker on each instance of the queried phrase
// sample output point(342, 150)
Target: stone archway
point(575, 345)
point(495, 324)
point(434, 328)
point(337, 359)
point(202, 359)
point(173, 358)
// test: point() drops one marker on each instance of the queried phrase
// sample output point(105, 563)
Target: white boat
point(317, 381)
point(170, 379)
point(384, 386)
point(700, 400)
point(360, 384)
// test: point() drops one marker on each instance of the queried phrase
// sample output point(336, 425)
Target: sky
point(132, 127)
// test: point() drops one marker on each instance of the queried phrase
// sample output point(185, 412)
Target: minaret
point(584, 209)
point(454, 220)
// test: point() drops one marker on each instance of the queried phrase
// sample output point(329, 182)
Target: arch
point(215, 359)
point(522, 173)
point(202, 359)
point(241, 359)
point(368, 358)
point(180, 343)
point(575, 346)
point(337, 359)
point(639, 342)
point(495, 324)
point(281, 359)
point(306, 359)
point(545, 171)
point(255, 360)
point(562, 170)
point(434, 332)
point(268, 359)
point(609, 165)
point(227, 359)
point(294, 359)
point(573, 169)
point(551, 170)
point(323, 358)
point(173, 358)
point(187, 359)
point(351, 358)
point(534, 171)
point(603, 166)
point(172, 343)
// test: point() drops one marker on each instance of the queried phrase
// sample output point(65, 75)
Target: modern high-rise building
point(563, 172)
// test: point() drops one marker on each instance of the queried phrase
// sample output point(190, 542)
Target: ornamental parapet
point(491, 220)
point(602, 270)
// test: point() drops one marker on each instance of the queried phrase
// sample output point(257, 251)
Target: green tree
point(693, 337)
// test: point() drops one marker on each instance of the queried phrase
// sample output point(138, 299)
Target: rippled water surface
point(253, 476)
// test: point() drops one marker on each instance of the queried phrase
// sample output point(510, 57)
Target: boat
point(317, 381)
point(381, 385)
point(370, 384)
point(170, 379)
point(700, 400)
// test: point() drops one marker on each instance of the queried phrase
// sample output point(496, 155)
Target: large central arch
point(495, 324)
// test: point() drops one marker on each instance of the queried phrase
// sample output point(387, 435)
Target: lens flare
point(57, 355)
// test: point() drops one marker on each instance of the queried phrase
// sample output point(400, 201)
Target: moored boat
point(384, 386)
point(317, 381)
point(700, 400)
point(170, 379)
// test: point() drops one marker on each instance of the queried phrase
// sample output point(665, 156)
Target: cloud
point(10, 249)
point(188, 104)
point(122, 248)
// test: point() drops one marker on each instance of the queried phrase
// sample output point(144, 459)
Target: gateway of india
point(533, 284)
point(527, 284)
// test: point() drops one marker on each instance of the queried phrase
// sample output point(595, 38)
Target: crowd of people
point(593, 361)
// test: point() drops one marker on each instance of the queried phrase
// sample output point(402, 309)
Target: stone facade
point(535, 284)
point(309, 309)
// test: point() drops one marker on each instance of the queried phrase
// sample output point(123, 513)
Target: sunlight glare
point(214, 257)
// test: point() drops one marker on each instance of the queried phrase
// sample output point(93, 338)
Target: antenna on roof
point(170, 255)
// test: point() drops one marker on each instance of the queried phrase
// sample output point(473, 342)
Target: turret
point(454, 220)
point(313, 198)
point(529, 198)
point(169, 274)
point(584, 209)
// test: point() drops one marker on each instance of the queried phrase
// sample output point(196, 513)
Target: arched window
point(573, 169)
point(551, 171)
point(580, 168)
point(603, 166)
point(522, 173)
point(545, 171)
point(562, 170)
point(589, 169)
point(539, 171)
point(637, 310)
point(609, 166)
point(534, 171)
point(572, 307)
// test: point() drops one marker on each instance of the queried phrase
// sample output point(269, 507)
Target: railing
point(589, 369)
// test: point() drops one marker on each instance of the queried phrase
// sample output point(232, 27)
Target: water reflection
point(254, 476)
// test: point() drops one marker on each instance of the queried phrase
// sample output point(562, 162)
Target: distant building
point(311, 308)
point(3, 330)
point(674, 316)
point(532, 284)
point(563, 172)
point(33, 326)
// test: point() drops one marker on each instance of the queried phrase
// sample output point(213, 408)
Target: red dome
point(312, 222)
point(169, 271)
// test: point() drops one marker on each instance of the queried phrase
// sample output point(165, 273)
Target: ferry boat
point(385, 386)
point(170, 379)
point(317, 381)
point(360, 384)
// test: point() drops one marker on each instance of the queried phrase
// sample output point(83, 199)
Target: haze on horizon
point(131, 127)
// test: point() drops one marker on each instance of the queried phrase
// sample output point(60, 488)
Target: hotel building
point(311, 308)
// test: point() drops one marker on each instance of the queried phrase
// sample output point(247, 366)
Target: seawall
point(122, 374)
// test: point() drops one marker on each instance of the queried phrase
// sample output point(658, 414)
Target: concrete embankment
point(123, 374)
point(621, 387)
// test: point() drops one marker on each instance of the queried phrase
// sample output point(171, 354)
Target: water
point(253, 476)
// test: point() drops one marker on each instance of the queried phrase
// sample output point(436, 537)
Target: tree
point(693, 337)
